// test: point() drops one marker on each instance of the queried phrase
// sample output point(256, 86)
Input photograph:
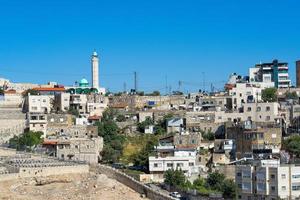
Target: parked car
point(175, 195)
point(118, 166)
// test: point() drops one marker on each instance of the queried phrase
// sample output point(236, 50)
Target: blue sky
point(52, 40)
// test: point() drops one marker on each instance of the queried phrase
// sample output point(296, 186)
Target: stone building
point(255, 138)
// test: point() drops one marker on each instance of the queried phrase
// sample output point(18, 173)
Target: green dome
point(83, 83)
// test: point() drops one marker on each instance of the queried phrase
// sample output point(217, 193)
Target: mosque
point(83, 86)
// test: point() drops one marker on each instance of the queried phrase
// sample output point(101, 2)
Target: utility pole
point(179, 85)
point(166, 84)
point(135, 82)
point(124, 87)
point(203, 74)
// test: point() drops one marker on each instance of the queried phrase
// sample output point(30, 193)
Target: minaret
point(95, 70)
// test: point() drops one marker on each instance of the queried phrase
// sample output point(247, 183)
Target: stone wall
point(132, 183)
point(26, 172)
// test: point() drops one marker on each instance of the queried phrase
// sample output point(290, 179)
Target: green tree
point(175, 178)
point(73, 111)
point(292, 145)
point(229, 189)
point(269, 95)
point(121, 118)
point(208, 136)
point(215, 181)
point(154, 93)
point(291, 95)
point(142, 125)
point(113, 140)
point(26, 141)
point(1, 91)
point(142, 157)
point(31, 92)
point(200, 185)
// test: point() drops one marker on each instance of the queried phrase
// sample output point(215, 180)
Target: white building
point(184, 159)
point(268, 181)
point(39, 103)
point(37, 122)
point(62, 102)
point(257, 112)
point(243, 93)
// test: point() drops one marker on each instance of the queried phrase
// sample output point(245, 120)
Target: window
point(246, 174)
point(283, 176)
point(272, 176)
point(246, 186)
point(296, 186)
point(193, 141)
point(283, 188)
point(268, 118)
point(258, 109)
point(179, 165)
point(169, 164)
point(268, 108)
point(33, 108)
point(239, 174)
point(155, 165)
point(191, 164)
point(273, 188)
point(296, 176)
point(261, 187)
point(249, 109)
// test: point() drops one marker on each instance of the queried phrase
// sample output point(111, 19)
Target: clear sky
point(52, 40)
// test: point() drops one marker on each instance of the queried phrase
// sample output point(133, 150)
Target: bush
point(26, 141)
point(175, 178)
point(208, 136)
point(121, 118)
point(269, 95)
point(292, 145)
point(113, 141)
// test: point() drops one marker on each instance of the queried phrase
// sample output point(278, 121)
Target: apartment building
point(182, 158)
point(255, 138)
point(243, 93)
point(271, 74)
point(38, 103)
point(268, 180)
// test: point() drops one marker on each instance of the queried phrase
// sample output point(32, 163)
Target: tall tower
point(95, 70)
point(298, 74)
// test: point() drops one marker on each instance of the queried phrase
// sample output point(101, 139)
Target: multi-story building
point(182, 158)
point(255, 138)
point(62, 102)
point(268, 180)
point(75, 149)
point(243, 93)
point(37, 122)
point(176, 152)
point(271, 74)
point(38, 103)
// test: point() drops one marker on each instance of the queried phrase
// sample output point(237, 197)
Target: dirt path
point(88, 186)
